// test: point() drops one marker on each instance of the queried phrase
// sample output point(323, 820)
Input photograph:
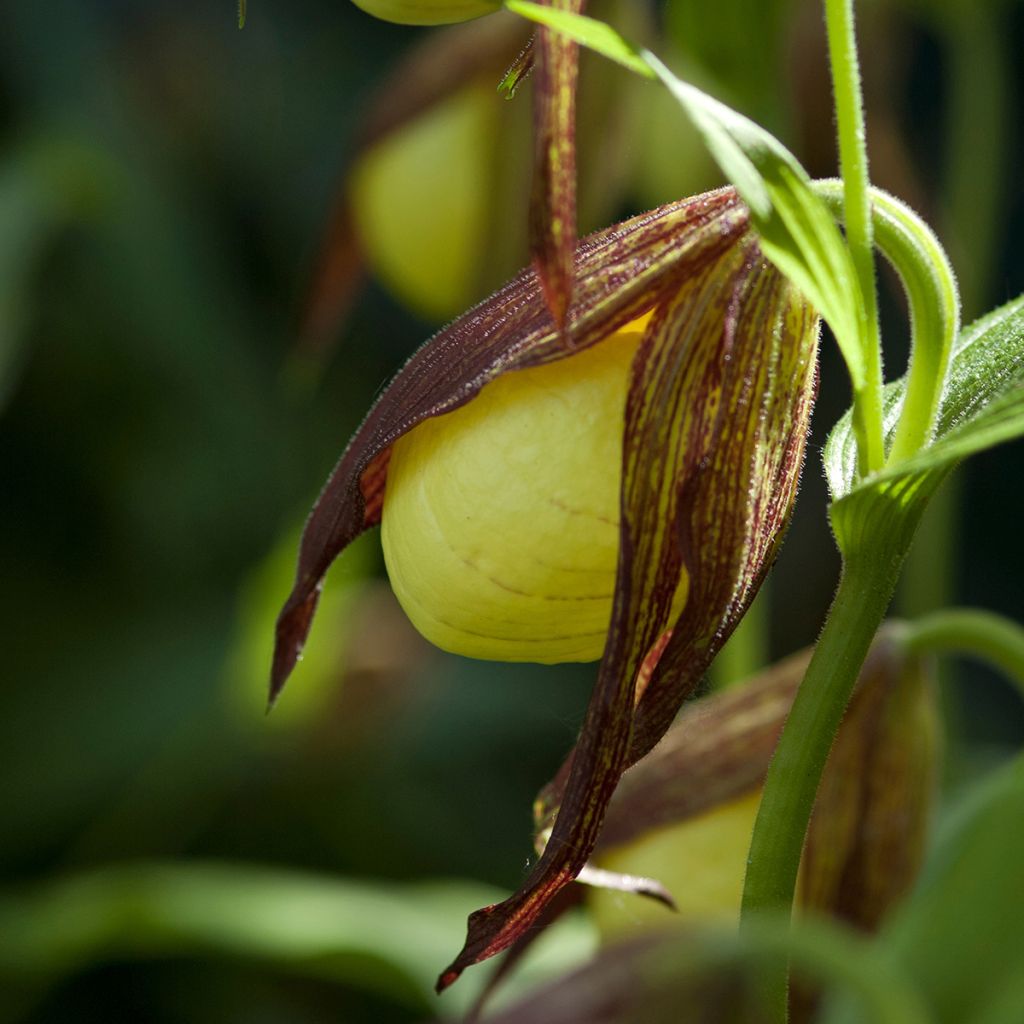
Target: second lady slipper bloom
point(616, 487)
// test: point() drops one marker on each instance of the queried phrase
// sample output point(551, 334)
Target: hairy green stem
point(972, 632)
point(934, 301)
point(853, 163)
point(791, 785)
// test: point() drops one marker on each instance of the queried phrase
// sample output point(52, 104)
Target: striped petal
point(553, 197)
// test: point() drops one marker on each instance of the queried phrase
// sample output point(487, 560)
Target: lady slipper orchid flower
point(616, 488)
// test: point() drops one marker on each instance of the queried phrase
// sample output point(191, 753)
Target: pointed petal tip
point(447, 978)
point(292, 629)
point(659, 894)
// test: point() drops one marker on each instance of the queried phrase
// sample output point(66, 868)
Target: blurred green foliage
point(164, 182)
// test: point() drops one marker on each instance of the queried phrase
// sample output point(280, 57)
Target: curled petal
point(740, 492)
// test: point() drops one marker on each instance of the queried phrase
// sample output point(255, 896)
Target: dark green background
point(164, 180)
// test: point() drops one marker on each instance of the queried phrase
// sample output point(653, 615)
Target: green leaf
point(384, 938)
point(983, 406)
point(595, 35)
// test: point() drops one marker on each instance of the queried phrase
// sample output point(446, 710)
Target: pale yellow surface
point(420, 201)
point(501, 519)
point(701, 862)
point(427, 12)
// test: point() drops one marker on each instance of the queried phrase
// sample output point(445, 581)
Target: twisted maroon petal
point(553, 197)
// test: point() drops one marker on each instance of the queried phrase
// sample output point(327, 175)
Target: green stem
point(973, 632)
point(853, 163)
point(790, 788)
point(934, 301)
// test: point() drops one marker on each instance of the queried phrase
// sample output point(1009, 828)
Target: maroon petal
point(622, 272)
point(717, 750)
point(740, 493)
point(553, 197)
point(663, 385)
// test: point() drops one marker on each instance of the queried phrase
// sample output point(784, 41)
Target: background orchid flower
point(684, 814)
point(714, 414)
point(554, 58)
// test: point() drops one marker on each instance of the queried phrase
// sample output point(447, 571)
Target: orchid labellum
point(616, 487)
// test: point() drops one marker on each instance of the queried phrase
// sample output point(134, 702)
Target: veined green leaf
point(983, 406)
point(798, 233)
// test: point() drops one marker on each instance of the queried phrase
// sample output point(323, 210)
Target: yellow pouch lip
point(501, 523)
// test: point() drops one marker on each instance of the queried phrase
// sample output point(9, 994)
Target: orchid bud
point(420, 198)
point(427, 12)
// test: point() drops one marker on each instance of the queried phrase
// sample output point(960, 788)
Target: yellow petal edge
point(501, 519)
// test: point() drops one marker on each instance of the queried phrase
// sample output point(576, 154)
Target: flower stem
point(974, 632)
point(790, 788)
point(853, 163)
